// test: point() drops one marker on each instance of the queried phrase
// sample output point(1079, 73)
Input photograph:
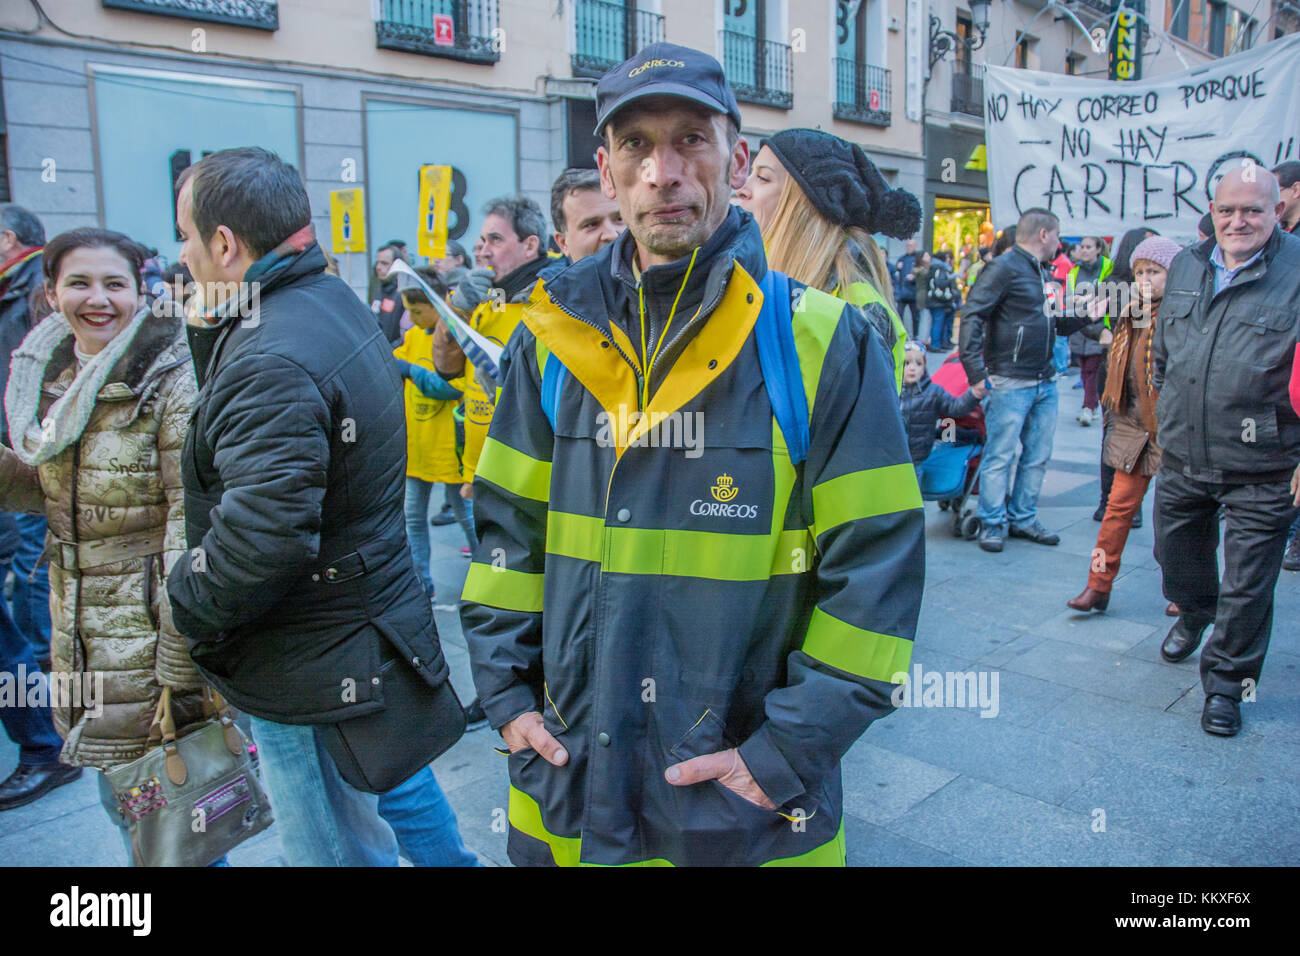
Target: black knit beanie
point(843, 184)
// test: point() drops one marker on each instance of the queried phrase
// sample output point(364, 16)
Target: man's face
point(9, 245)
point(383, 262)
point(591, 220)
point(1088, 250)
point(203, 259)
point(670, 168)
point(911, 247)
point(1291, 200)
point(503, 250)
point(1243, 215)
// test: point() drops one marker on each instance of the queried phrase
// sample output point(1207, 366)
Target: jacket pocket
point(707, 735)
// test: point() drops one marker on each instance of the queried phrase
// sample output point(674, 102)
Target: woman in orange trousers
point(1130, 444)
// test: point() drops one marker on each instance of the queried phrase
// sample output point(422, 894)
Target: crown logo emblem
point(724, 490)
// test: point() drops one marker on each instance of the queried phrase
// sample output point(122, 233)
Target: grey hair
point(524, 215)
point(26, 228)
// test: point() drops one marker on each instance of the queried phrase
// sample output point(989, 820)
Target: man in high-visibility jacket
point(679, 630)
point(514, 247)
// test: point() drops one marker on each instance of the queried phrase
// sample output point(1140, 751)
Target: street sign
point(444, 31)
point(435, 199)
point(348, 220)
point(1126, 40)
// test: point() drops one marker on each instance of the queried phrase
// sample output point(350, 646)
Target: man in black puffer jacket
point(300, 587)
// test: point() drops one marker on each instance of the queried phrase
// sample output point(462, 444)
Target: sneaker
point(1291, 560)
point(1036, 533)
point(466, 552)
point(28, 784)
point(444, 517)
point(990, 538)
point(1078, 384)
point(1084, 417)
point(474, 716)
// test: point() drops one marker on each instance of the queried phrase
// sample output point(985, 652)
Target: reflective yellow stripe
point(514, 471)
point(697, 554)
point(815, 320)
point(853, 649)
point(573, 536)
point(864, 494)
point(503, 588)
point(526, 816)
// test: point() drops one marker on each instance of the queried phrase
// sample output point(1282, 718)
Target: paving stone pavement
point(1091, 726)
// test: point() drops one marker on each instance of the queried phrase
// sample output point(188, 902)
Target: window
point(759, 69)
point(607, 32)
point(965, 30)
point(456, 29)
point(1214, 26)
point(1072, 61)
point(259, 14)
point(1024, 51)
point(862, 91)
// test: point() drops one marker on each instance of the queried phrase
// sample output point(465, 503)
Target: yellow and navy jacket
point(657, 597)
point(864, 293)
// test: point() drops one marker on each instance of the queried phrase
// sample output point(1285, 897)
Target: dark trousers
point(1088, 366)
point(1258, 517)
point(913, 324)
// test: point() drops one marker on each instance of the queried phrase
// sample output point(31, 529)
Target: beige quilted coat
point(122, 477)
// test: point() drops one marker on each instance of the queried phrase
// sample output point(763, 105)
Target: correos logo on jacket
point(723, 491)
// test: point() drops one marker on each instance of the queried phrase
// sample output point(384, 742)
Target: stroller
point(950, 475)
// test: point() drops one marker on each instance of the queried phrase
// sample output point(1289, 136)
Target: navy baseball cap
point(665, 69)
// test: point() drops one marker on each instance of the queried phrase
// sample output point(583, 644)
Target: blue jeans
point(31, 728)
point(31, 599)
point(325, 821)
point(941, 326)
point(1015, 417)
point(419, 495)
point(1061, 354)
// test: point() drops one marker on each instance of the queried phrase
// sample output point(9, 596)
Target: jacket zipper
point(608, 338)
point(1020, 335)
point(78, 648)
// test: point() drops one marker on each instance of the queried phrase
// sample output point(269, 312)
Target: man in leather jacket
point(1007, 333)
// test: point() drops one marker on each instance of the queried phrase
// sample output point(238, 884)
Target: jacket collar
point(134, 371)
point(17, 275)
point(516, 283)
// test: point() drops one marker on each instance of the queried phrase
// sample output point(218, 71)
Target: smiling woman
point(98, 401)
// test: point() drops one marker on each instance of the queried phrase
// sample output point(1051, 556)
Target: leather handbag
point(193, 796)
point(378, 751)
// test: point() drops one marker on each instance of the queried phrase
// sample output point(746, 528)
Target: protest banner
point(1110, 156)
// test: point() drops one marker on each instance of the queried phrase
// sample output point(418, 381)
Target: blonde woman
point(818, 200)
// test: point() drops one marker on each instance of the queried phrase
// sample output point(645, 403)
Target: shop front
point(957, 198)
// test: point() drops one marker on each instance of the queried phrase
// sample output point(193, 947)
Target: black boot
point(1222, 716)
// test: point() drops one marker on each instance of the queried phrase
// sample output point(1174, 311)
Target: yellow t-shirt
point(430, 424)
point(495, 324)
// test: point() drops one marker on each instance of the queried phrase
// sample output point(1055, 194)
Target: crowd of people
point(676, 649)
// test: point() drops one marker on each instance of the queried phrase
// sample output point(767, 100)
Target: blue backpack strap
point(774, 334)
point(554, 372)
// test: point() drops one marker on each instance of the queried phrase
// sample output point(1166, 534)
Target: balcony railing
point(457, 29)
point(259, 14)
point(968, 92)
point(759, 71)
point(607, 33)
point(862, 92)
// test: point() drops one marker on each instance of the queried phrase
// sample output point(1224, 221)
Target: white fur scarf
point(39, 441)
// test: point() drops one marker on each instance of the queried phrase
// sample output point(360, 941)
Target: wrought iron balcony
point(259, 14)
point(862, 92)
point(607, 33)
point(456, 29)
point(758, 71)
point(968, 94)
